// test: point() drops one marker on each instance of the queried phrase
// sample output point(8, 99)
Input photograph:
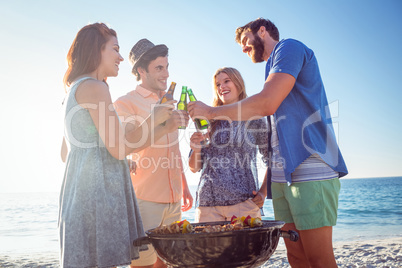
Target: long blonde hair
point(235, 76)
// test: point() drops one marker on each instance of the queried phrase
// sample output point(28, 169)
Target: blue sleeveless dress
point(98, 213)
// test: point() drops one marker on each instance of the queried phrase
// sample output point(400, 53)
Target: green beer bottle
point(202, 125)
point(182, 104)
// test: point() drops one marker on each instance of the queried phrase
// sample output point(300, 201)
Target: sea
point(369, 209)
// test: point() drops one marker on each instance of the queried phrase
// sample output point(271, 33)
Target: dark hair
point(85, 55)
point(255, 25)
point(150, 55)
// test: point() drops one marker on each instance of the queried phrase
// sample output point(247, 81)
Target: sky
point(357, 44)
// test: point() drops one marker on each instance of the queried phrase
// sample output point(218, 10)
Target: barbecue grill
point(247, 247)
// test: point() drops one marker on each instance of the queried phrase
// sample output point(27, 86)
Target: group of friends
point(124, 173)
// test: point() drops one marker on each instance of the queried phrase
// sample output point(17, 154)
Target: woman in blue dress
point(98, 214)
point(229, 180)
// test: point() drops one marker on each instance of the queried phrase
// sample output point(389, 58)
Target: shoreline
point(385, 252)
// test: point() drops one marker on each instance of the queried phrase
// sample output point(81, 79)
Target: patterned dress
point(229, 172)
point(98, 214)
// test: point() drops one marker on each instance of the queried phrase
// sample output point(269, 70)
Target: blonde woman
point(229, 182)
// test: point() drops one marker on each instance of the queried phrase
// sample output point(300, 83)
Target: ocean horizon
point(369, 208)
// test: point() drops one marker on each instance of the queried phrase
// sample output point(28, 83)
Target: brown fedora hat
point(140, 49)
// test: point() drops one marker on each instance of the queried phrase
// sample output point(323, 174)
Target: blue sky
point(357, 43)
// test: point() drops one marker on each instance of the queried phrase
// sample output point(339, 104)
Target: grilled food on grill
point(174, 228)
point(246, 221)
point(185, 226)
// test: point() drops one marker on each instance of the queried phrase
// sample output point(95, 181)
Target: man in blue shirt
point(305, 182)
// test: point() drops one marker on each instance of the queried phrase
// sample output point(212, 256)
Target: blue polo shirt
point(303, 119)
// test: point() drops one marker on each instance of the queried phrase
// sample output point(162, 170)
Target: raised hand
point(178, 118)
point(198, 109)
point(162, 112)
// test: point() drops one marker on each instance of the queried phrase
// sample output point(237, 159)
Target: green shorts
point(309, 205)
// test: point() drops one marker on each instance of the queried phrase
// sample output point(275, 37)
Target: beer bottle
point(168, 96)
point(202, 125)
point(182, 104)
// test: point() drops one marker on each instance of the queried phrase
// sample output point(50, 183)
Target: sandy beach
point(370, 253)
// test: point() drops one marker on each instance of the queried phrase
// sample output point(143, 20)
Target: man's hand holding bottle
point(162, 112)
point(198, 109)
point(177, 119)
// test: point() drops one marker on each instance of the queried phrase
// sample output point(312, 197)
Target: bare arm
point(186, 194)
point(64, 150)
point(178, 118)
point(95, 97)
point(263, 188)
point(187, 197)
point(194, 161)
point(259, 197)
point(276, 88)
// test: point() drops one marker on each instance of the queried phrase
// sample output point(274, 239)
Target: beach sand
point(369, 253)
point(372, 253)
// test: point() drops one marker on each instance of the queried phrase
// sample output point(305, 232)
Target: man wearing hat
point(158, 179)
